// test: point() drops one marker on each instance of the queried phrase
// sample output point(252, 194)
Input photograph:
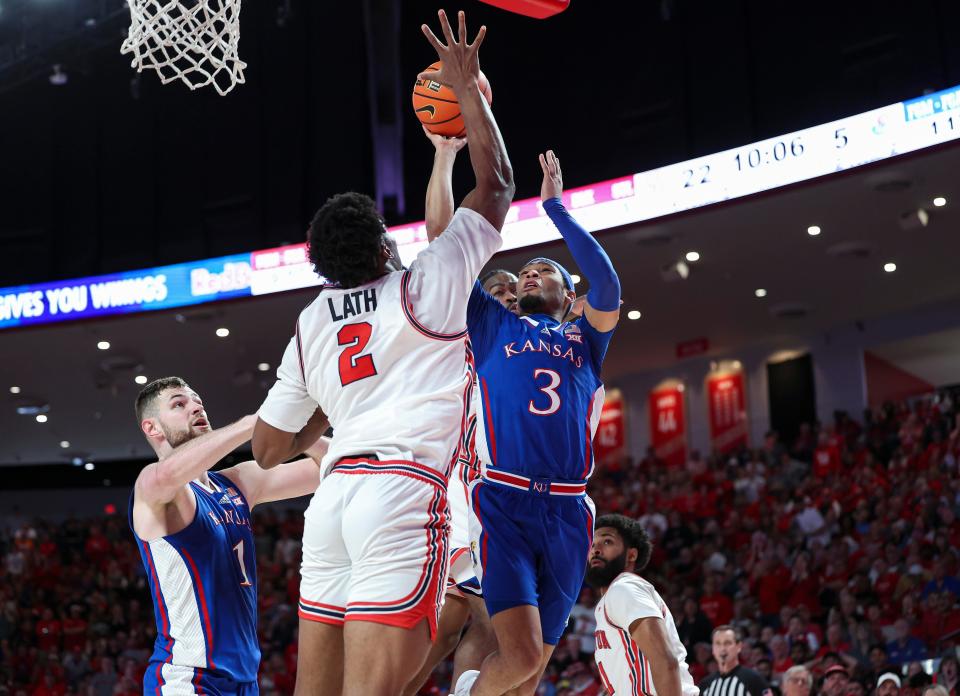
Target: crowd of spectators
point(838, 548)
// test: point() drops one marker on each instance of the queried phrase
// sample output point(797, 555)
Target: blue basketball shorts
point(533, 551)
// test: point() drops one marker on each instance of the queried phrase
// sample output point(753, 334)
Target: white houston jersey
point(387, 361)
point(623, 668)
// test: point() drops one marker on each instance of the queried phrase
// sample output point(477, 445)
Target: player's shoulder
point(626, 582)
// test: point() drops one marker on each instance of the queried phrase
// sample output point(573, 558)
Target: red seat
point(539, 9)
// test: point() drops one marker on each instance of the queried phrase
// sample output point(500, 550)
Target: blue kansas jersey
point(203, 581)
point(540, 390)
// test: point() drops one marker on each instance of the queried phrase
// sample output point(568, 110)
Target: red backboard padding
point(539, 9)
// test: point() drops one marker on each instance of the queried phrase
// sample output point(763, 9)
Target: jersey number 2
point(354, 367)
point(550, 390)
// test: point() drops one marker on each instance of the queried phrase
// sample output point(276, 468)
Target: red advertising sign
point(727, 405)
point(609, 444)
point(668, 425)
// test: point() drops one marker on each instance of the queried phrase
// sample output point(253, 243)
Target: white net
point(190, 40)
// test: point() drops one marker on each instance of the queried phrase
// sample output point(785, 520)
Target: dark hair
point(633, 534)
point(489, 274)
point(148, 395)
point(344, 240)
point(727, 627)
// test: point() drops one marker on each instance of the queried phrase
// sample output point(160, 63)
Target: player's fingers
point(445, 26)
point(543, 165)
point(462, 27)
point(432, 38)
point(479, 38)
point(430, 75)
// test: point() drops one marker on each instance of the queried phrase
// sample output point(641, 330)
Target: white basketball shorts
point(376, 545)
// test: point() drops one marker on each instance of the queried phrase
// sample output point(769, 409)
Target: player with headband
point(541, 397)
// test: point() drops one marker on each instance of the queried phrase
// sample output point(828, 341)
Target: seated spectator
point(948, 674)
point(694, 626)
point(888, 684)
point(905, 647)
point(941, 582)
point(835, 681)
point(797, 681)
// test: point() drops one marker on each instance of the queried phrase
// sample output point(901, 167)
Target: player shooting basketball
point(192, 527)
point(380, 354)
point(541, 398)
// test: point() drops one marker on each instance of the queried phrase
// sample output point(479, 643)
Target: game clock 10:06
point(778, 151)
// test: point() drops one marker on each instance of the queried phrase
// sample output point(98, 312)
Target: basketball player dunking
point(380, 355)
point(192, 527)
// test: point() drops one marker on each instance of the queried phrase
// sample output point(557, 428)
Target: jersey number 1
point(354, 367)
point(238, 549)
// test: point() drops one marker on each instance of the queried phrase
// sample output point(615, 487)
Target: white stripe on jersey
point(183, 612)
point(177, 681)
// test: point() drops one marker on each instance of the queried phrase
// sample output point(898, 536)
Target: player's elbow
point(670, 662)
point(266, 454)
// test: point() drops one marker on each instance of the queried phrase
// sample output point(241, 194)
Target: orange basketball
point(437, 107)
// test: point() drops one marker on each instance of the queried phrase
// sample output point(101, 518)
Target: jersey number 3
point(354, 367)
point(550, 390)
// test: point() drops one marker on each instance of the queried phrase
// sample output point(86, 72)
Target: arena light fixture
point(263, 367)
point(103, 345)
point(575, 278)
point(939, 201)
point(634, 314)
point(692, 256)
point(140, 379)
point(223, 332)
point(58, 78)
point(760, 292)
point(41, 418)
point(64, 444)
point(89, 466)
point(14, 390)
point(889, 266)
point(814, 230)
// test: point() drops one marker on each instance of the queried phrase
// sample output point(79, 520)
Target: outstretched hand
point(460, 60)
point(552, 186)
point(444, 144)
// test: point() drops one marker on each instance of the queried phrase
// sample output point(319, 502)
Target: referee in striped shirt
point(733, 679)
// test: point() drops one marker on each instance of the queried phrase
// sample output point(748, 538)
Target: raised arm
point(292, 480)
point(273, 446)
point(602, 307)
point(650, 635)
point(440, 187)
point(494, 189)
point(158, 483)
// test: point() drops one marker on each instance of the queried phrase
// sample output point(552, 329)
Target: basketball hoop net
point(194, 41)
